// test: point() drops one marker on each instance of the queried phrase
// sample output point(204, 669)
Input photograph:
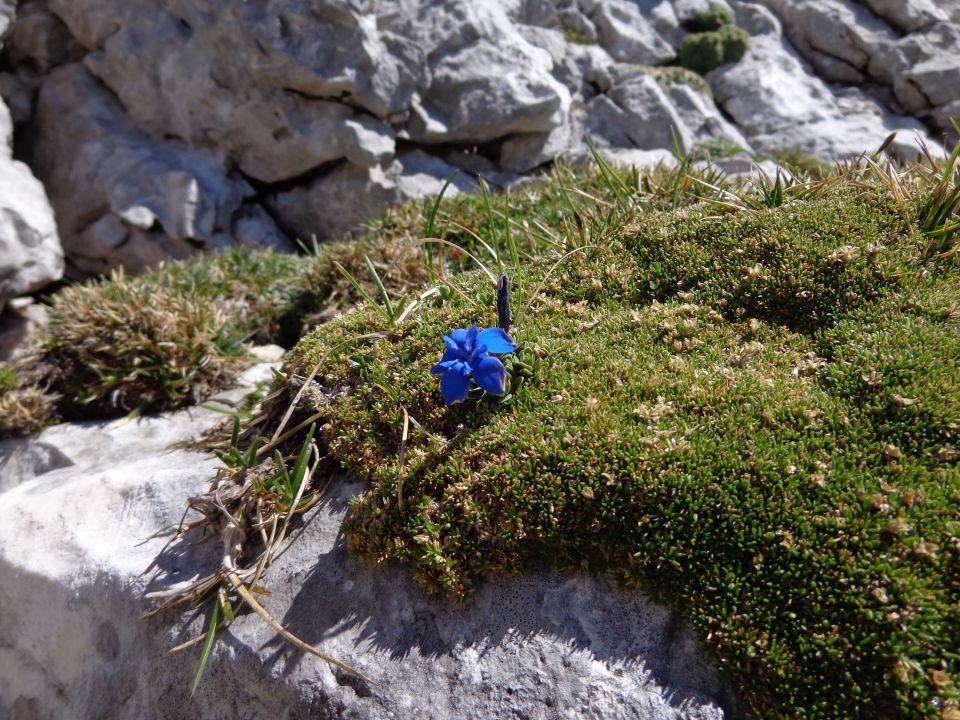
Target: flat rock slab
point(75, 539)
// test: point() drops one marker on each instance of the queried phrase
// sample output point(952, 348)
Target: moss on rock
point(706, 51)
point(753, 417)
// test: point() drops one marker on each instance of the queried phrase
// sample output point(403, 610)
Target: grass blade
point(207, 647)
point(383, 290)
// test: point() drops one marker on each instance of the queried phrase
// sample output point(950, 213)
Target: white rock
point(908, 15)
point(627, 34)
point(778, 103)
point(486, 82)
point(20, 326)
point(30, 252)
point(832, 33)
point(337, 203)
point(846, 42)
point(261, 88)
point(686, 9)
point(636, 114)
point(120, 197)
point(700, 116)
point(8, 8)
point(75, 539)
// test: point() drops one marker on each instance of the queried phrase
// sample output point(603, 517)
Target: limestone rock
point(17, 92)
point(700, 116)
point(913, 47)
point(120, 197)
point(262, 86)
point(8, 9)
point(20, 325)
point(38, 41)
point(75, 538)
point(908, 15)
point(486, 81)
point(627, 34)
point(637, 114)
point(30, 252)
point(338, 202)
point(779, 104)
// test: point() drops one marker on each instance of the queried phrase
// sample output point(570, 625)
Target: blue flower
point(467, 354)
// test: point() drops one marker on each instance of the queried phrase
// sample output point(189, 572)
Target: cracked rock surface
point(82, 504)
point(165, 129)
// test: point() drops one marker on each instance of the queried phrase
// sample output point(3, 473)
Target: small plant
point(8, 379)
point(577, 37)
point(706, 51)
point(466, 355)
point(716, 150)
point(669, 75)
point(707, 20)
point(941, 215)
point(389, 311)
point(249, 498)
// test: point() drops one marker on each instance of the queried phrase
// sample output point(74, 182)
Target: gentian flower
point(467, 354)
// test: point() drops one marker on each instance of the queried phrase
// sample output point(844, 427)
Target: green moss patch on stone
point(706, 51)
point(669, 75)
point(754, 417)
point(706, 20)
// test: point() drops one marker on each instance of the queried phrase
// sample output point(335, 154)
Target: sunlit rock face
point(166, 129)
point(85, 511)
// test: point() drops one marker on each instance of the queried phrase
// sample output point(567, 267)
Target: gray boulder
point(486, 80)
point(260, 86)
point(337, 203)
point(82, 521)
point(913, 47)
point(629, 35)
point(120, 197)
point(38, 41)
point(30, 252)
point(778, 103)
point(909, 15)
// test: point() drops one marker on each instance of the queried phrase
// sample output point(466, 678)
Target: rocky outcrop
point(164, 129)
point(122, 198)
point(779, 104)
point(79, 523)
point(30, 252)
point(911, 47)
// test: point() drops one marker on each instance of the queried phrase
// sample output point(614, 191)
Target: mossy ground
point(754, 417)
point(172, 336)
point(748, 405)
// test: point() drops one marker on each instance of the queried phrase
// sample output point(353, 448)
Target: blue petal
point(459, 337)
point(495, 340)
point(490, 374)
point(455, 383)
point(450, 359)
point(472, 335)
point(450, 343)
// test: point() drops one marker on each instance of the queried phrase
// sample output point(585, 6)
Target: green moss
point(575, 36)
point(716, 149)
point(800, 163)
point(669, 75)
point(753, 417)
point(706, 51)
point(707, 20)
point(8, 379)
